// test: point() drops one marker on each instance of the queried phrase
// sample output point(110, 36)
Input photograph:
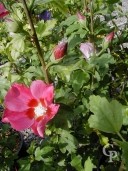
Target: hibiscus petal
point(18, 97)
point(40, 90)
point(18, 120)
point(39, 127)
point(52, 111)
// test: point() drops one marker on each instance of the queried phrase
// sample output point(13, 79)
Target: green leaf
point(112, 1)
point(88, 165)
point(24, 164)
point(81, 32)
point(107, 115)
point(61, 162)
point(67, 142)
point(102, 63)
point(74, 40)
point(64, 71)
point(71, 19)
point(72, 28)
point(61, 6)
point(43, 153)
point(45, 29)
point(40, 27)
point(78, 78)
point(103, 60)
point(18, 42)
point(124, 146)
point(15, 54)
point(39, 2)
point(46, 150)
point(77, 163)
point(125, 116)
point(38, 154)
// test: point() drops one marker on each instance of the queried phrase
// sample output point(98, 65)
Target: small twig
point(91, 16)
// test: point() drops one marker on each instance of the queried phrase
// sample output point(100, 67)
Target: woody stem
point(36, 41)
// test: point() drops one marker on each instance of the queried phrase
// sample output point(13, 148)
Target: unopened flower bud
point(45, 15)
point(107, 40)
point(104, 140)
point(3, 11)
point(87, 49)
point(80, 17)
point(81, 20)
point(109, 37)
point(60, 50)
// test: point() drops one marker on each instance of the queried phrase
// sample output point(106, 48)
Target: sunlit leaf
point(107, 115)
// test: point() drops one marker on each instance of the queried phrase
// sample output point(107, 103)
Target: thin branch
point(36, 41)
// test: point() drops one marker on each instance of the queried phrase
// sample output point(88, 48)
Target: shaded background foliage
point(92, 93)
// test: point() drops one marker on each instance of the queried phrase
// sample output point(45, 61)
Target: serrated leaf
point(78, 78)
point(18, 42)
point(64, 71)
point(38, 154)
point(103, 60)
point(61, 162)
point(41, 153)
point(67, 142)
point(74, 40)
point(71, 19)
point(40, 27)
point(72, 28)
point(61, 6)
point(76, 163)
point(25, 165)
point(15, 54)
point(124, 146)
point(107, 115)
point(88, 165)
point(46, 150)
point(45, 29)
point(102, 63)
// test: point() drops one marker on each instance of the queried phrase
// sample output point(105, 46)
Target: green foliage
point(93, 93)
point(88, 165)
point(67, 142)
point(10, 145)
point(124, 146)
point(76, 163)
point(45, 29)
point(78, 79)
point(107, 115)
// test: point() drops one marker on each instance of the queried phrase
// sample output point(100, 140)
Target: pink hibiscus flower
point(3, 11)
point(30, 107)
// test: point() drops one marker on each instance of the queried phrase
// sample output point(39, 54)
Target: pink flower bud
point(3, 11)
point(87, 49)
point(60, 49)
point(109, 37)
point(107, 40)
point(80, 17)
